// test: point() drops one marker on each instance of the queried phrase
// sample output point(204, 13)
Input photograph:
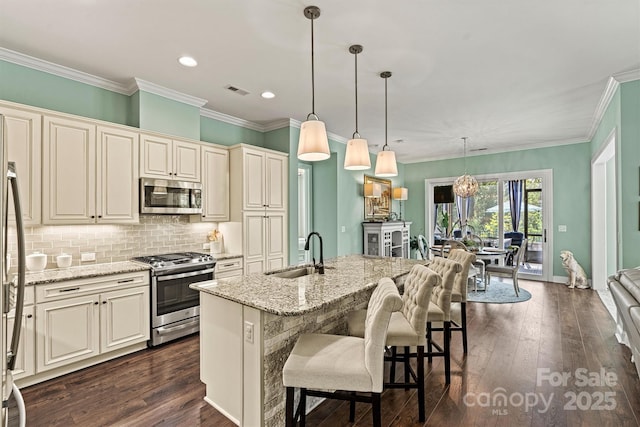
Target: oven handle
point(183, 275)
point(165, 331)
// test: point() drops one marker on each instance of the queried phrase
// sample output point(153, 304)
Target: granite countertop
point(223, 256)
point(80, 272)
point(344, 276)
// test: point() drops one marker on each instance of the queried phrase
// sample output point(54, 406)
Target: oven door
point(171, 298)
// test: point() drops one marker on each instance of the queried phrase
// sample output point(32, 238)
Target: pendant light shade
point(357, 155)
point(313, 144)
point(465, 185)
point(386, 165)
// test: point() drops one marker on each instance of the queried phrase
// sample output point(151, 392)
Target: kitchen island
point(249, 324)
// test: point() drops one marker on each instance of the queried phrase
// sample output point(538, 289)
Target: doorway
point(488, 215)
point(604, 214)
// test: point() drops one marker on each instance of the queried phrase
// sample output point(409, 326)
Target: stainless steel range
point(175, 308)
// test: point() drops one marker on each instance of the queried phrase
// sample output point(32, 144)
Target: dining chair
point(321, 362)
point(478, 264)
point(423, 246)
point(406, 329)
point(508, 270)
point(459, 292)
point(448, 245)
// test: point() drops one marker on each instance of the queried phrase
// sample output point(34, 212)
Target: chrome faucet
point(320, 266)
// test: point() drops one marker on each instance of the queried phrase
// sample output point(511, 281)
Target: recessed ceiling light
point(268, 95)
point(187, 61)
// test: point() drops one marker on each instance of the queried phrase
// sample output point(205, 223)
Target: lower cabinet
point(230, 267)
point(79, 319)
point(265, 241)
point(26, 356)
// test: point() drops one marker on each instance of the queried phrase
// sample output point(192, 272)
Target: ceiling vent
point(478, 149)
point(237, 90)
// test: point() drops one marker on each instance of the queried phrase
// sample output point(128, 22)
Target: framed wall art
point(377, 208)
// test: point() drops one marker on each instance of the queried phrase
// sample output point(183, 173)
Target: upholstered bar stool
point(406, 329)
point(346, 364)
point(459, 292)
point(440, 311)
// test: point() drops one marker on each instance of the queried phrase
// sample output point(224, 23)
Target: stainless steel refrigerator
point(13, 281)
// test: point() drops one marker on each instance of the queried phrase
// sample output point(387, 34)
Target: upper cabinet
point(215, 183)
point(88, 180)
point(259, 180)
point(23, 136)
point(167, 158)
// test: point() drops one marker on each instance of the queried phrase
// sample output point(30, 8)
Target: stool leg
point(392, 369)
point(352, 408)
point(377, 416)
point(289, 421)
point(303, 407)
point(421, 383)
point(429, 347)
point(463, 318)
point(447, 352)
point(406, 366)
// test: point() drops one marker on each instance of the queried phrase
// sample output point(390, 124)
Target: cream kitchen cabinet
point(87, 179)
point(265, 241)
point(167, 158)
point(80, 319)
point(259, 179)
point(229, 267)
point(215, 183)
point(23, 136)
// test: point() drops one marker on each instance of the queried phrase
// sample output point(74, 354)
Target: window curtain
point(469, 203)
point(516, 189)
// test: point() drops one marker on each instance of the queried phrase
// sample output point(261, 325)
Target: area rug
point(498, 293)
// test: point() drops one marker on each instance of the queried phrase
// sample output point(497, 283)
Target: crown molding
point(226, 118)
point(169, 93)
point(279, 124)
point(627, 76)
point(603, 104)
point(62, 71)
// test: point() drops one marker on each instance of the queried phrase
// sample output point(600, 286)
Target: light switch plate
point(248, 332)
point(87, 256)
point(562, 228)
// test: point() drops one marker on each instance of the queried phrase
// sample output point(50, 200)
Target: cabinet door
point(124, 318)
point(186, 161)
point(276, 177)
point(215, 184)
point(156, 157)
point(68, 331)
point(69, 185)
point(26, 357)
point(117, 176)
point(276, 241)
point(254, 243)
point(254, 171)
point(23, 136)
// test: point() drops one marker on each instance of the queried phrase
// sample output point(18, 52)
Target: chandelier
point(465, 185)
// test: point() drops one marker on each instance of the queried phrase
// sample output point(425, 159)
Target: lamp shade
point(372, 189)
point(357, 155)
point(386, 164)
point(400, 193)
point(313, 144)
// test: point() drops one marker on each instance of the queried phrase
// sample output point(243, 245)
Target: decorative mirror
point(377, 198)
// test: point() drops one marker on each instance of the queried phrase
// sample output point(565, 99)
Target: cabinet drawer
point(228, 264)
point(70, 288)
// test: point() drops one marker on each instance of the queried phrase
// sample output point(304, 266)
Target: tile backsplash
point(155, 234)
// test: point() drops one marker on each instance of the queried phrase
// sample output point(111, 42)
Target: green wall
point(165, 115)
point(222, 133)
point(571, 190)
point(39, 89)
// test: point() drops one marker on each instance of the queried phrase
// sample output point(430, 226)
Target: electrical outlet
point(248, 332)
point(562, 228)
point(87, 256)
point(344, 228)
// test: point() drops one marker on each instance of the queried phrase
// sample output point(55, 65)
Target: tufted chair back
point(384, 300)
point(465, 259)
point(441, 295)
point(418, 287)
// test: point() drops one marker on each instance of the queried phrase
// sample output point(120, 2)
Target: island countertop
point(344, 276)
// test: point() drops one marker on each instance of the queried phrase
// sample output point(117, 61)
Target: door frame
point(599, 253)
point(547, 213)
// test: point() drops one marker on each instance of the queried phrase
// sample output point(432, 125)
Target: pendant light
point(465, 185)
point(313, 144)
point(386, 161)
point(357, 155)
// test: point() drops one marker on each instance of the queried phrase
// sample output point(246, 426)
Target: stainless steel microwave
point(164, 196)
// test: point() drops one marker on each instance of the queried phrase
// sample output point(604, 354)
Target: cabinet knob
point(29, 316)
point(104, 302)
point(93, 216)
point(96, 303)
point(99, 216)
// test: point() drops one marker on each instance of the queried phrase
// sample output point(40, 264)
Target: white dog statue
point(577, 276)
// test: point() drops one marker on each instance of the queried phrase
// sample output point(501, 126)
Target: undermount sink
point(296, 272)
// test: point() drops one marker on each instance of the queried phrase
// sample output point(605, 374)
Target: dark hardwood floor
point(510, 346)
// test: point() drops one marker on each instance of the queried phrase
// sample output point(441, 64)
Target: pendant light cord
point(464, 153)
point(385, 115)
point(313, 81)
point(356, 132)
